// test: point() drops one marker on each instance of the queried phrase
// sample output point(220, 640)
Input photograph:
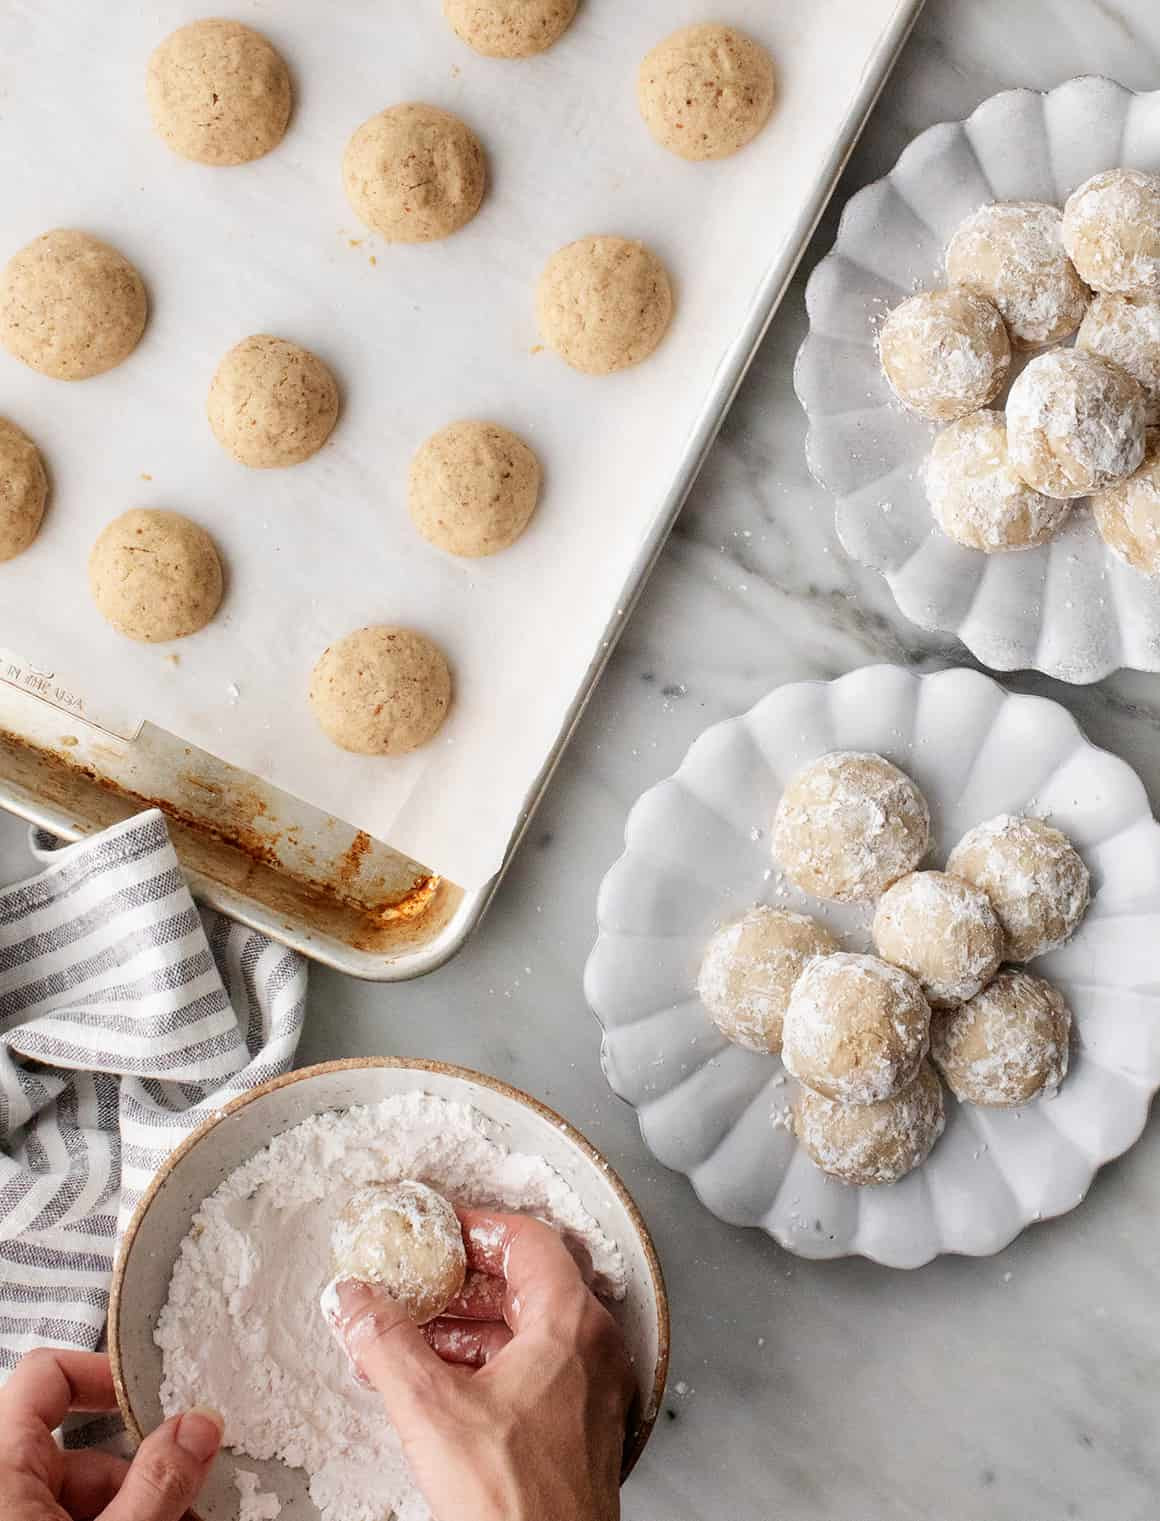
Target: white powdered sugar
point(1075, 423)
point(976, 497)
point(1012, 253)
point(255, 1503)
point(242, 1329)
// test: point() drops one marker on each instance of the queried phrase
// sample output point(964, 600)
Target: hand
point(512, 1419)
point(40, 1482)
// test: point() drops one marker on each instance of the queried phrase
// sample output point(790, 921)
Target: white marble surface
point(1022, 1388)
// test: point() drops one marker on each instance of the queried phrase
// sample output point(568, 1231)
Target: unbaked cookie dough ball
point(1128, 517)
point(1033, 875)
point(1126, 330)
point(381, 691)
point(23, 490)
point(405, 1239)
point(473, 488)
point(1075, 423)
point(414, 173)
point(706, 91)
point(975, 495)
point(945, 353)
point(1012, 253)
point(218, 93)
point(865, 1144)
point(154, 575)
point(510, 28)
point(848, 825)
point(271, 403)
point(1111, 230)
point(603, 304)
point(942, 931)
point(1008, 1045)
point(856, 1028)
point(749, 971)
point(71, 306)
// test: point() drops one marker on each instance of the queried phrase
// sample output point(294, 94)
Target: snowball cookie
point(942, 931)
point(1011, 252)
point(1075, 423)
point(155, 576)
point(23, 490)
point(872, 1143)
point(975, 495)
point(1128, 517)
point(1008, 1045)
point(218, 93)
point(414, 173)
point(1111, 230)
point(71, 306)
point(706, 91)
point(945, 353)
point(855, 1029)
point(271, 403)
point(603, 304)
point(473, 488)
point(848, 825)
point(749, 971)
point(509, 28)
point(1126, 330)
point(406, 1239)
point(381, 691)
point(1037, 884)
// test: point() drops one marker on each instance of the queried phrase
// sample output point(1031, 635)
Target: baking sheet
point(417, 336)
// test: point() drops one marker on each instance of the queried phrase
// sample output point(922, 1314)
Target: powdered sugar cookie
point(942, 931)
point(1075, 423)
point(1126, 330)
point(945, 353)
point(865, 1144)
point(1128, 517)
point(1008, 1045)
point(405, 1239)
point(1111, 230)
point(749, 971)
point(975, 495)
point(1034, 877)
point(1011, 252)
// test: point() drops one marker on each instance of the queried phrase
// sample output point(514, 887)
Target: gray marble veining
point(1018, 1388)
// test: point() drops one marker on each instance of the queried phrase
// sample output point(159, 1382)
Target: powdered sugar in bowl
point(251, 1166)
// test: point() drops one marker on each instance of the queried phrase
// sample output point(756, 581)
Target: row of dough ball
point(381, 690)
point(219, 93)
point(1075, 419)
point(856, 1030)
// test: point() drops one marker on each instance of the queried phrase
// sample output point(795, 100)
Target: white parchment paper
point(417, 335)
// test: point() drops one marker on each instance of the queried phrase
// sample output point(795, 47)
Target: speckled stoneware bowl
point(196, 1168)
point(1071, 607)
point(697, 855)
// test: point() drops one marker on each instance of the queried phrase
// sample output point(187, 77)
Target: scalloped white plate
point(1069, 608)
point(697, 854)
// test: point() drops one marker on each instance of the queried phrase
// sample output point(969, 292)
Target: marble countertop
point(1017, 1388)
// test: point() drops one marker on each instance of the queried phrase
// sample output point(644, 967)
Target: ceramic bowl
point(697, 855)
point(196, 1168)
point(1070, 608)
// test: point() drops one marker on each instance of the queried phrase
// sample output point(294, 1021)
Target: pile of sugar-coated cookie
point(856, 1030)
point(220, 94)
point(1026, 276)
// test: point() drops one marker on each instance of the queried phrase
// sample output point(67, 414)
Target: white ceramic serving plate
point(163, 1218)
point(697, 855)
point(1069, 608)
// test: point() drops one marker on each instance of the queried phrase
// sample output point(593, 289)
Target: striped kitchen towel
point(126, 1017)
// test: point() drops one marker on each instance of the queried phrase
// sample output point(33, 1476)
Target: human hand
point(40, 1482)
point(503, 1419)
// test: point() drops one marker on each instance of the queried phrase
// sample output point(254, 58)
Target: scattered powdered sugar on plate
point(242, 1330)
point(255, 1503)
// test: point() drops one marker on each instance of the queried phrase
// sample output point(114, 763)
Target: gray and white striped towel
point(126, 1016)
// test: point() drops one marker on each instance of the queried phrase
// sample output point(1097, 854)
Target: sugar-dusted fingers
point(487, 1235)
point(481, 1298)
point(466, 1343)
point(388, 1349)
point(541, 1276)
